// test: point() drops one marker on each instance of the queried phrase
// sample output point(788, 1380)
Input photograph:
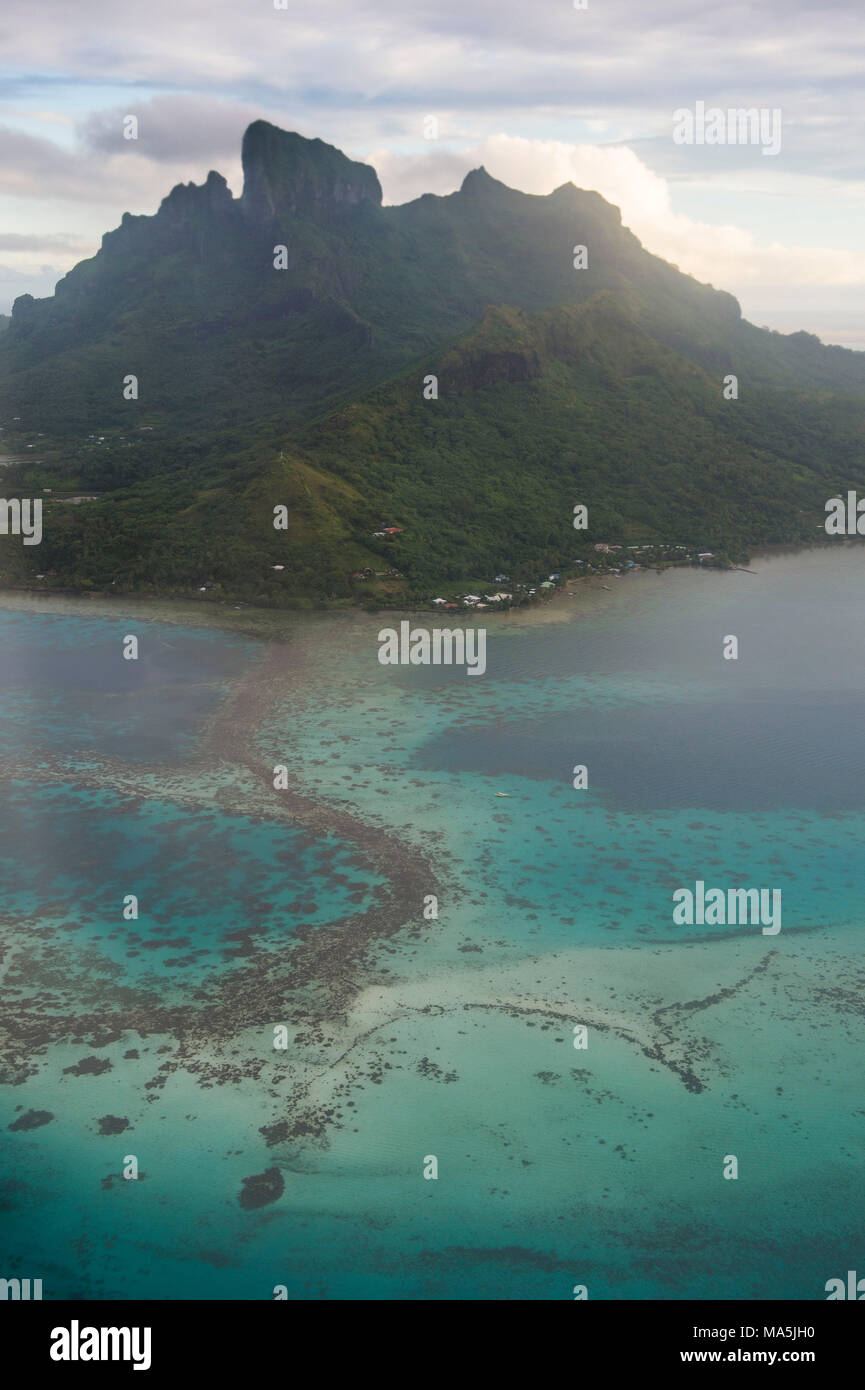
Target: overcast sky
point(538, 91)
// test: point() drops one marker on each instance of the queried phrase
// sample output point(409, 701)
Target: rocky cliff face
point(187, 212)
point(284, 174)
point(219, 332)
point(189, 202)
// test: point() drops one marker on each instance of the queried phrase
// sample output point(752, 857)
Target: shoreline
point(385, 1019)
point(317, 982)
point(267, 624)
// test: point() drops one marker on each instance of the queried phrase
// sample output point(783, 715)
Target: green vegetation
point(304, 388)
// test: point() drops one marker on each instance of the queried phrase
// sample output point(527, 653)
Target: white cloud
point(725, 256)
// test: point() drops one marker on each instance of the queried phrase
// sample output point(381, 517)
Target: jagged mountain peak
point(197, 291)
point(210, 196)
point(479, 183)
point(598, 377)
point(284, 172)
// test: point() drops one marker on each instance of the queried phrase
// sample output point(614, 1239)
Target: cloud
point(38, 282)
point(21, 241)
point(172, 129)
point(127, 177)
point(355, 63)
point(726, 256)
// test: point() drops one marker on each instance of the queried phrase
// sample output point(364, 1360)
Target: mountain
point(280, 342)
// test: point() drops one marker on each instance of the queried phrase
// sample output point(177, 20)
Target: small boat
point(502, 793)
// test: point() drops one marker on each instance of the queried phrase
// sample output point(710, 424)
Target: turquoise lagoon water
point(556, 1167)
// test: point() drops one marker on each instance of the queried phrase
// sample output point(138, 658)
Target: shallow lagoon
point(556, 1166)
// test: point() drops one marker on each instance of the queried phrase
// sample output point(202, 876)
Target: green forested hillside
point(304, 388)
